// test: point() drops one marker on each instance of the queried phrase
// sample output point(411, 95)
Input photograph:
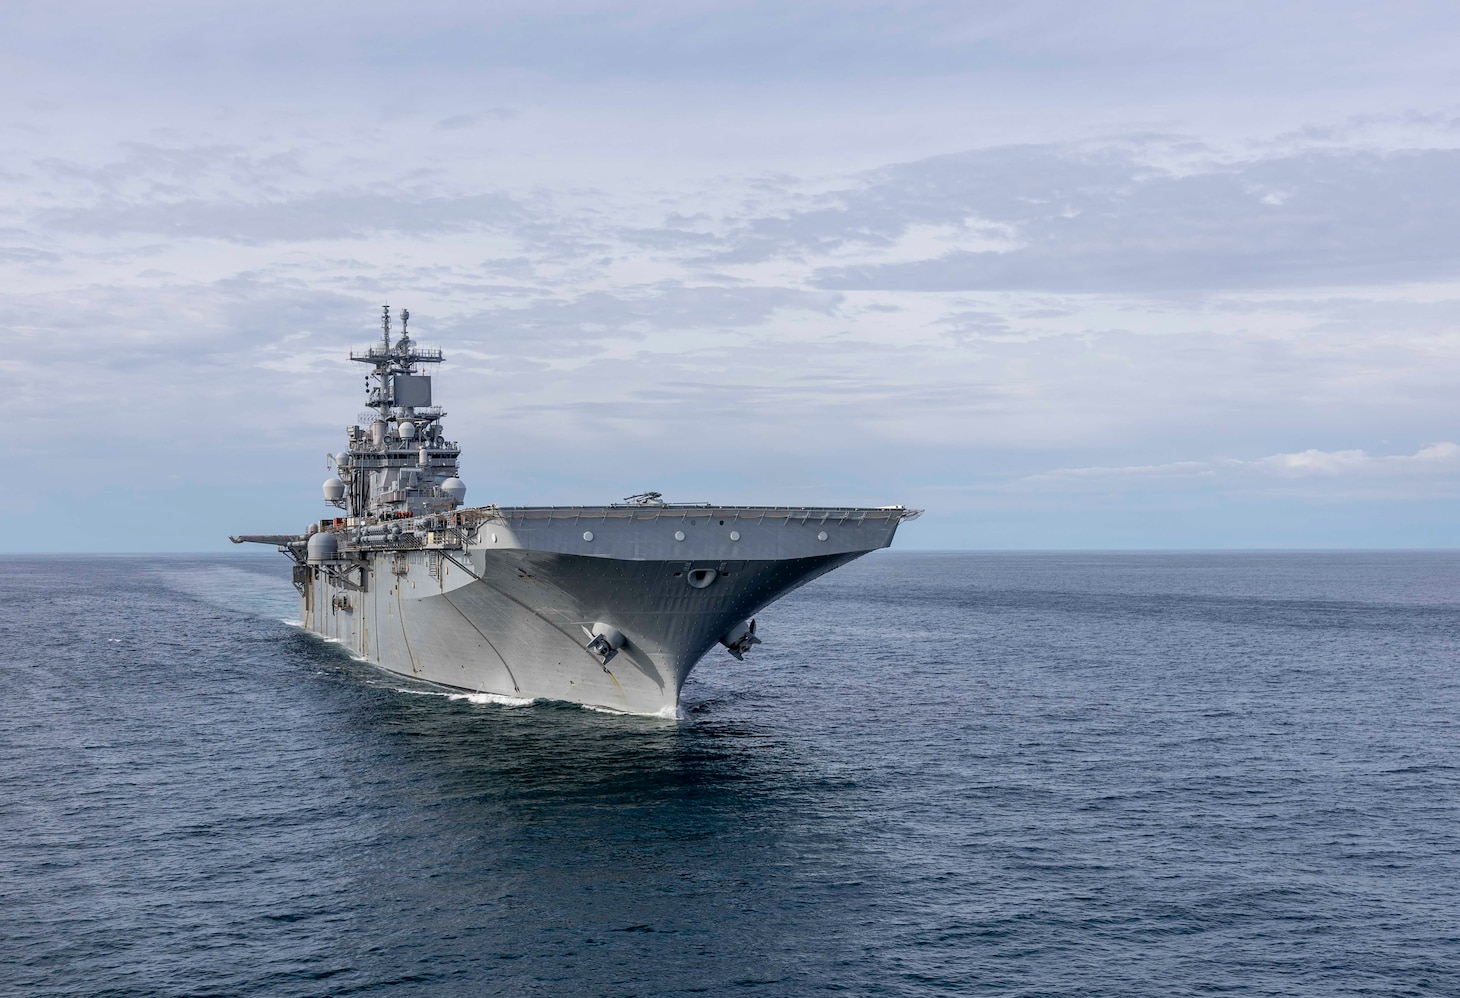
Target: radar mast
point(400, 464)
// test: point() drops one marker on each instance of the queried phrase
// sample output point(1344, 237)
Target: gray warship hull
point(607, 606)
point(509, 604)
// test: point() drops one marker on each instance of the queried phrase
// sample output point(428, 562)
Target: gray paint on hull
point(513, 622)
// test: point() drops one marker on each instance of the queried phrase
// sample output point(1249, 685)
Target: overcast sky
point(1067, 275)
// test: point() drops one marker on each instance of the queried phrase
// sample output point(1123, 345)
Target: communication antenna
point(385, 325)
point(405, 318)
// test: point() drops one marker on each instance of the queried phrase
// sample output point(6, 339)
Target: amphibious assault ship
point(607, 606)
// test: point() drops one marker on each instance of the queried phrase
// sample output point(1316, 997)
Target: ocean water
point(955, 774)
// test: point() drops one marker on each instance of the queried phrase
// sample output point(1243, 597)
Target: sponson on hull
point(609, 606)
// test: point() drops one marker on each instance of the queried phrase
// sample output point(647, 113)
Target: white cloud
point(881, 250)
point(1433, 459)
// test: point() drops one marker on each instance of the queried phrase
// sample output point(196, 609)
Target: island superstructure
point(608, 606)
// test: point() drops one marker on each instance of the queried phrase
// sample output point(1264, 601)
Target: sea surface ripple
point(1063, 774)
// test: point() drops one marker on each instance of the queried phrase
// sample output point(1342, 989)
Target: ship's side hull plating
point(509, 600)
point(517, 623)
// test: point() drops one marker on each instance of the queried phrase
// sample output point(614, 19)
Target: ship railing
point(379, 354)
point(802, 514)
point(405, 542)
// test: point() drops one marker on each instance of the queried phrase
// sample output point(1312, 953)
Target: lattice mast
point(400, 464)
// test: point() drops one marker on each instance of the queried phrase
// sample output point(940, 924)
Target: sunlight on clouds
point(1438, 458)
point(892, 254)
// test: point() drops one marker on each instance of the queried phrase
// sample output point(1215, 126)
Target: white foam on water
point(494, 698)
point(500, 700)
point(329, 641)
point(497, 699)
point(663, 713)
point(350, 651)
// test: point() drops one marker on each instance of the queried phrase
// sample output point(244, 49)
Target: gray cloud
point(550, 324)
point(1431, 472)
point(673, 254)
point(1111, 222)
point(309, 217)
point(163, 168)
point(1121, 46)
point(27, 255)
point(458, 121)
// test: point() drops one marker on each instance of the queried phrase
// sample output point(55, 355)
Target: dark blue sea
point(942, 774)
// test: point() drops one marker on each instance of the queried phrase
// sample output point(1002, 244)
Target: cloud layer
point(1117, 220)
point(1033, 266)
